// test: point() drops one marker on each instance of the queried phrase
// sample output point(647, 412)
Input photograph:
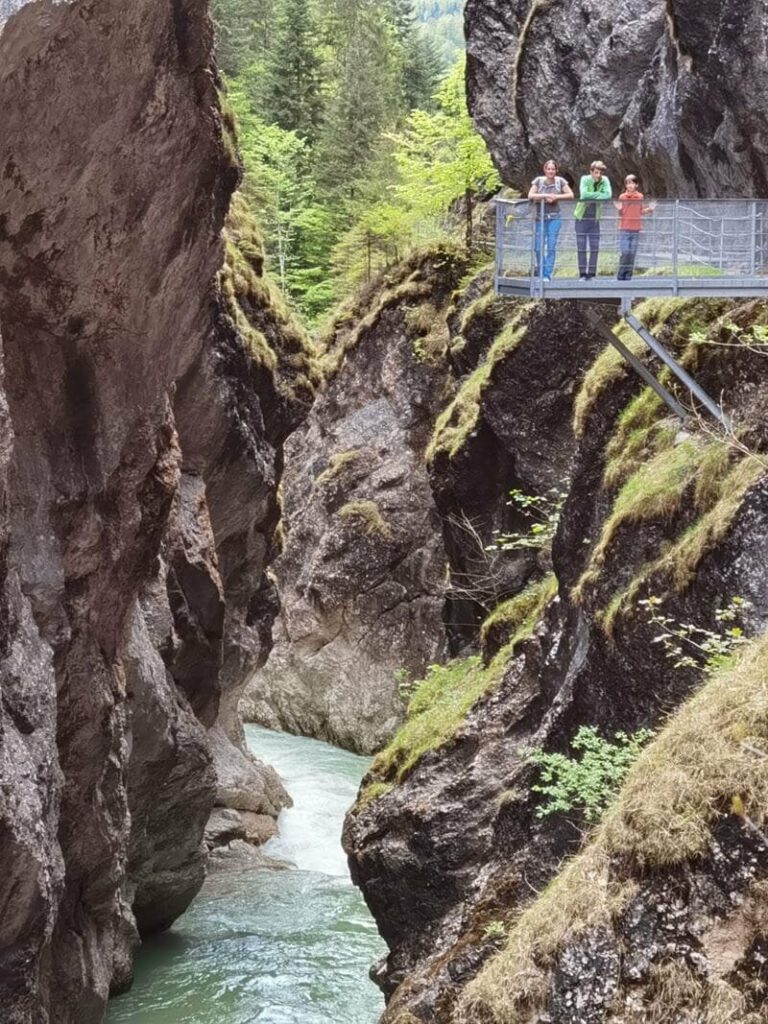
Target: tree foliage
point(355, 143)
point(587, 783)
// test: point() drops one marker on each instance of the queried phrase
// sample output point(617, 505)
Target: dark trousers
point(628, 243)
point(587, 242)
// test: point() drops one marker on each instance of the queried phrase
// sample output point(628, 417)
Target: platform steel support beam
point(640, 368)
point(500, 237)
point(682, 375)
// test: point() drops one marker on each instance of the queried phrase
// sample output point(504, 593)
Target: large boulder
point(673, 91)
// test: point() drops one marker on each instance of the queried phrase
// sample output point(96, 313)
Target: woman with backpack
point(548, 188)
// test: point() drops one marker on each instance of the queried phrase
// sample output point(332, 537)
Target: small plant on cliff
point(543, 511)
point(588, 783)
point(729, 334)
point(692, 646)
point(495, 929)
point(366, 517)
point(405, 683)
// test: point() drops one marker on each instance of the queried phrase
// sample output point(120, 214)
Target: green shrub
point(543, 512)
point(590, 782)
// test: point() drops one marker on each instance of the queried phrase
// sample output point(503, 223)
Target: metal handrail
point(679, 241)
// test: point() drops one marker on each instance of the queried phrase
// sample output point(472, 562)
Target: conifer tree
point(243, 32)
point(293, 89)
point(367, 99)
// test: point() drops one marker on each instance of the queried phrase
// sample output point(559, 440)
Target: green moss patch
point(459, 419)
point(513, 620)
point(273, 338)
point(366, 517)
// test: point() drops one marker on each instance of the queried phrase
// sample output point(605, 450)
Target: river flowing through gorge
point(275, 946)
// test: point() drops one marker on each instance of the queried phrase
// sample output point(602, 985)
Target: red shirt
point(630, 211)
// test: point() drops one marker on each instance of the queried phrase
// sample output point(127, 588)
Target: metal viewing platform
point(675, 248)
point(685, 248)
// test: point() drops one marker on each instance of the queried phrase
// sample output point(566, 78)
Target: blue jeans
point(628, 243)
point(587, 240)
point(546, 233)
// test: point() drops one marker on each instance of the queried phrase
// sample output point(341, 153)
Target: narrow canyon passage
point(275, 946)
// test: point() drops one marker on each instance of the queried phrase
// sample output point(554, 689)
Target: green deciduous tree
point(441, 158)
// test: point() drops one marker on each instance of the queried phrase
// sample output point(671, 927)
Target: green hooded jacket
point(590, 191)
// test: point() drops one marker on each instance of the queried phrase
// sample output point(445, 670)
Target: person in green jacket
point(594, 190)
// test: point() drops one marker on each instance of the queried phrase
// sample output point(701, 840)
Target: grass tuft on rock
point(437, 708)
point(366, 517)
point(655, 491)
point(441, 701)
point(454, 425)
point(608, 367)
point(641, 432)
point(678, 315)
point(428, 331)
point(513, 620)
point(486, 305)
point(710, 758)
point(719, 491)
point(410, 285)
point(336, 465)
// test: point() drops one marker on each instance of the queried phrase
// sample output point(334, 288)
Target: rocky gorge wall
point(362, 572)
point(445, 841)
point(143, 411)
point(659, 915)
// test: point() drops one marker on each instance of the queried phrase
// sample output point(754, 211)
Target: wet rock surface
point(361, 577)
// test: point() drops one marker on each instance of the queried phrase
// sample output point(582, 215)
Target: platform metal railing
point(684, 247)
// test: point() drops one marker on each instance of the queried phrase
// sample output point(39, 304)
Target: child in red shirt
point(631, 210)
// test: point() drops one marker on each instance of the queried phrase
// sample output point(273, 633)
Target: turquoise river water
point(277, 947)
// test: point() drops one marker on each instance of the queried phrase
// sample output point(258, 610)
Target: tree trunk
point(468, 233)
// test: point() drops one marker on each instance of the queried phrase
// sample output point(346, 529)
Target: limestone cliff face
point(139, 451)
point(672, 90)
point(445, 842)
point(363, 570)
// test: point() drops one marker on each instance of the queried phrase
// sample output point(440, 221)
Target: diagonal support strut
point(682, 375)
point(640, 368)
